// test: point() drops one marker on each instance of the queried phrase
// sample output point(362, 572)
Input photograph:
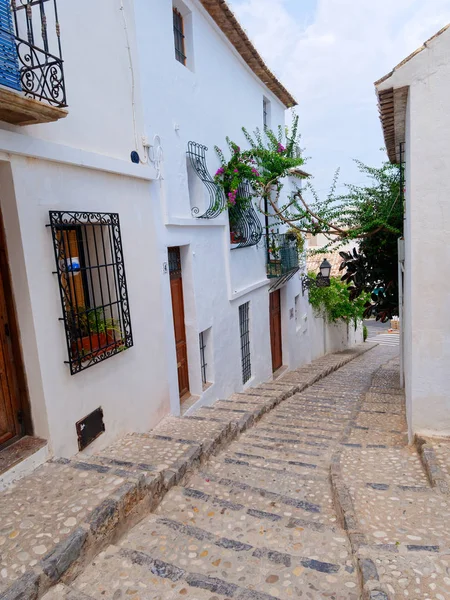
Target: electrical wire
point(133, 84)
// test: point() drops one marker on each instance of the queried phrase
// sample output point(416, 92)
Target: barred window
point(244, 325)
point(92, 285)
point(179, 37)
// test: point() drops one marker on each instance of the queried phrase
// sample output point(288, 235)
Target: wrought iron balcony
point(282, 256)
point(31, 63)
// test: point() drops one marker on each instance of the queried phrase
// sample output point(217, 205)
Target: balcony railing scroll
point(283, 259)
point(197, 157)
point(245, 226)
point(30, 50)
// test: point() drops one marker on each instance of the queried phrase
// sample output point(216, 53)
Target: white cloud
point(331, 62)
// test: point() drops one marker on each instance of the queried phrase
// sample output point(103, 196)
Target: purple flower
point(236, 171)
point(220, 171)
point(255, 172)
point(281, 148)
point(237, 150)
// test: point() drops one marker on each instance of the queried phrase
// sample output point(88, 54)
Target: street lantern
point(322, 279)
point(325, 269)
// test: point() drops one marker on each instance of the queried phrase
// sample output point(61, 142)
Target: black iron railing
point(30, 50)
point(92, 286)
point(245, 226)
point(282, 254)
point(197, 157)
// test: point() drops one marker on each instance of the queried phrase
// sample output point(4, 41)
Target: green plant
point(365, 333)
point(87, 321)
point(271, 157)
point(334, 304)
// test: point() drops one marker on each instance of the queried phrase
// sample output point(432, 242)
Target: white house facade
point(416, 125)
point(124, 295)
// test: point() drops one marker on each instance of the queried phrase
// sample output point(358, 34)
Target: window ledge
point(18, 110)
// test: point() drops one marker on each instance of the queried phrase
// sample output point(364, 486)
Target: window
point(266, 113)
point(92, 285)
point(178, 33)
point(244, 324)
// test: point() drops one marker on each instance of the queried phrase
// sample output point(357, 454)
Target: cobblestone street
point(320, 498)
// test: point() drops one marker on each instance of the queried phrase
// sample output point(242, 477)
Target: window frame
point(102, 273)
point(179, 36)
point(244, 330)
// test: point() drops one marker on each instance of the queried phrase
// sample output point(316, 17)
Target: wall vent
point(89, 428)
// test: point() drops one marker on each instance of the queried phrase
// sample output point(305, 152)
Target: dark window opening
point(92, 284)
point(178, 33)
point(203, 363)
point(244, 324)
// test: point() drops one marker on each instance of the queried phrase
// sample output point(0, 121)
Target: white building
point(413, 102)
point(148, 78)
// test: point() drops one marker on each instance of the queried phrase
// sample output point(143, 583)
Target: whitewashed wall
point(427, 229)
point(83, 163)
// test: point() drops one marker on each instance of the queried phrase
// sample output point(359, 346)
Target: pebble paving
point(255, 521)
point(260, 518)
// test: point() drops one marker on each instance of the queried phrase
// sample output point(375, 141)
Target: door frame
point(176, 274)
point(14, 365)
point(273, 340)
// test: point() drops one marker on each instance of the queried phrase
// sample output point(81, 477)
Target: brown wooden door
point(9, 394)
point(275, 329)
point(176, 288)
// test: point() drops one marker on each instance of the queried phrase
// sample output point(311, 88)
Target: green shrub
point(365, 333)
point(333, 303)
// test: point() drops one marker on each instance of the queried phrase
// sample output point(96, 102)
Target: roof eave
point(230, 26)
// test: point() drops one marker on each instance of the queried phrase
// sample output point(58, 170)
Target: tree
point(371, 215)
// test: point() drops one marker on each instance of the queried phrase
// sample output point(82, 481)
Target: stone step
point(311, 489)
point(197, 572)
point(44, 510)
point(280, 458)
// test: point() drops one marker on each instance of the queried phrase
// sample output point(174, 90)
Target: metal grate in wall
point(244, 325)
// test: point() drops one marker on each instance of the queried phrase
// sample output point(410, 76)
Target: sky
point(328, 53)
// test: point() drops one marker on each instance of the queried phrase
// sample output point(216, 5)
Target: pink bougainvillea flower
point(236, 170)
point(220, 171)
point(281, 148)
point(255, 172)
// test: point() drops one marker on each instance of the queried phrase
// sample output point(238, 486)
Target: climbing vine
point(334, 304)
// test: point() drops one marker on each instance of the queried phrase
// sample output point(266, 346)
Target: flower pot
point(95, 344)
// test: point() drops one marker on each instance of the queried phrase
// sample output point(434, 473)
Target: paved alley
point(257, 521)
point(319, 497)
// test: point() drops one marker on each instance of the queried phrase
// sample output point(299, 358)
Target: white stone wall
point(82, 163)
point(427, 229)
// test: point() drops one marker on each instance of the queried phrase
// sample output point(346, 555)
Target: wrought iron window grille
point(197, 157)
point(244, 325)
point(92, 285)
point(203, 363)
point(245, 226)
point(34, 61)
point(282, 257)
point(178, 34)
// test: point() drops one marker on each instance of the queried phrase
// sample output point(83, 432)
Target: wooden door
point(10, 363)
point(176, 288)
point(275, 329)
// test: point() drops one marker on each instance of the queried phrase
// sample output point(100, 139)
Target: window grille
point(178, 33)
point(265, 113)
point(244, 324)
point(92, 285)
point(245, 226)
point(203, 363)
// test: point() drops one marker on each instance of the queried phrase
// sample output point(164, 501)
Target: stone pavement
point(55, 521)
point(300, 488)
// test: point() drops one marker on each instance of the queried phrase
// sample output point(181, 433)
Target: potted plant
point(93, 334)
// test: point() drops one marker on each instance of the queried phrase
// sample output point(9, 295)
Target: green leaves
point(334, 303)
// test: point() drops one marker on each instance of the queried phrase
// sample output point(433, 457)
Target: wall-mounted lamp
point(322, 279)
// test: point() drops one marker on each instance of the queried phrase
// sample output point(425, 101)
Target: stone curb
point(141, 494)
point(430, 464)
